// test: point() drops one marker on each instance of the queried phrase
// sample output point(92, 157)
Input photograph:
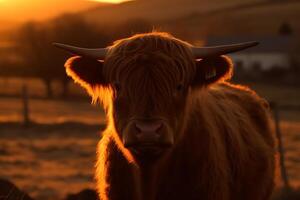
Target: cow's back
point(238, 124)
point(247, 105)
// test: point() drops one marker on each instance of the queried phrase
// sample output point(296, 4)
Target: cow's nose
point(148, 131)
point(147, 134)
point(148, 126)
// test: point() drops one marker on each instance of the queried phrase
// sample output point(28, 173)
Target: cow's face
point(150, 81)
point(149, 101)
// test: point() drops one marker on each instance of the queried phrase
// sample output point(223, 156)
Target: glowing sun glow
point(24, 10)
point(108, 1)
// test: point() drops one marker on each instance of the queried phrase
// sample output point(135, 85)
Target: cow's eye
point(179, 87)
point(117, 86)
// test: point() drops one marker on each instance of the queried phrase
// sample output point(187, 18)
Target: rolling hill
point(256, 19)
point(155, 10)
point(200, 18)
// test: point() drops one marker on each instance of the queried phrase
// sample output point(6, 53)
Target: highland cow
point(176, 128)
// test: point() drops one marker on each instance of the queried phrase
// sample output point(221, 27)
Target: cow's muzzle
point(148, 137)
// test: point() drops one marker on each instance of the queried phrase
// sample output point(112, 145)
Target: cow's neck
point(148, 178)
point(173, 170)
point(152, 176)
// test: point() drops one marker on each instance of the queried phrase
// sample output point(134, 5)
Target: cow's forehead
point(153, 66)
point(158, 54)
point(151, 42)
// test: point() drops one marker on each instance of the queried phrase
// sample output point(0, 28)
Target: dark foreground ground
point(51, 161)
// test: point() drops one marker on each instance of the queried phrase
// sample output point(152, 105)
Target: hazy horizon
point(18, 11)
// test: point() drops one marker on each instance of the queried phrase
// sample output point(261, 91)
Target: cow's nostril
point(148, 127)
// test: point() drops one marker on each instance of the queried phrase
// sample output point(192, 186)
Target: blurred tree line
point(37, 58)
point(40, 59)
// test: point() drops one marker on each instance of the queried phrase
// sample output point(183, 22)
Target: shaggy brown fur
point(224, 148)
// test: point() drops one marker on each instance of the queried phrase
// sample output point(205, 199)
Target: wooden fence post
point(25, 101)
point(283, 169)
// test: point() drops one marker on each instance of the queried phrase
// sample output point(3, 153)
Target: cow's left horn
point(203, 52)
point(98, 54)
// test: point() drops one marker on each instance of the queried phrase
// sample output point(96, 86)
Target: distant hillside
point(253, 20)
point(155, 10)
point(196, 19)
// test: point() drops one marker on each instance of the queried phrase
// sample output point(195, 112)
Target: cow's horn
point(203, 52)
point(91, 53)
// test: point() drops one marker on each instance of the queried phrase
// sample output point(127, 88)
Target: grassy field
point(49, 161)
point(51, 111)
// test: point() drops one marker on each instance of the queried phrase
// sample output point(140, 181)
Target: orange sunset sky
point(22, 10)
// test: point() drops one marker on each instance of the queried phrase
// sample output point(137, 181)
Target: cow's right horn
point(203, 52)
point(98, 54)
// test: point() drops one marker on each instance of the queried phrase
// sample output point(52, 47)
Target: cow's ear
point(86, 71)
point(211, 70)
